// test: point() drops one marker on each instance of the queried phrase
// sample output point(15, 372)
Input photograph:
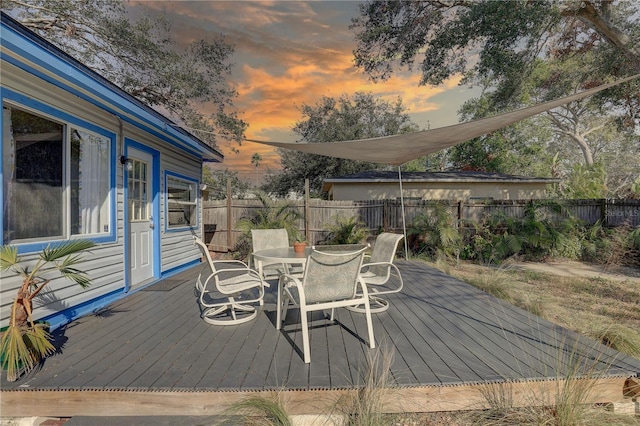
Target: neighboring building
point(83, 159)
point(462, 186)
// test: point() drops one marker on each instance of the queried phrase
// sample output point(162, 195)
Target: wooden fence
point(220, 217)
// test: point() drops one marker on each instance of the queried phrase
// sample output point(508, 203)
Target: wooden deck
point(151, 354)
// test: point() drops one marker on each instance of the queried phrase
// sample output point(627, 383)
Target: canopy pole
point(404, 225)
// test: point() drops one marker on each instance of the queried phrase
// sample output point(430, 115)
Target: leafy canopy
point(520, 53)
point(494, 43)
point(359, 116)
point(216, 181)
point(141, 57)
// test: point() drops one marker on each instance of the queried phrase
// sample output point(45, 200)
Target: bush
point(434, 233)
point(345, 230)
point(273, 214)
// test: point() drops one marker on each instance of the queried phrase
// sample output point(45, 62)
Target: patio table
point(288, 257)
point(284, 255)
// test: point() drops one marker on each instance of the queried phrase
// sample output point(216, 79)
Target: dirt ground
point(570, 268)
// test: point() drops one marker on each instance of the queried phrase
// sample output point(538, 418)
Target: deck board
point(439, 330)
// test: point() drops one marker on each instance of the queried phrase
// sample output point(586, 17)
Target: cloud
point(288, 54)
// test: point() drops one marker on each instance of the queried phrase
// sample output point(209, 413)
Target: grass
point(365, 406)
point(258, 411)
point(606, 309)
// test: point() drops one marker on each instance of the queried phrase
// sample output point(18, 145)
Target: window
point(56, 179)
point(181, 202)
point(138, 184)
point(89, 183)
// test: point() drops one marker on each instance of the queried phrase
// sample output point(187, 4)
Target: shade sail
point(399, 149)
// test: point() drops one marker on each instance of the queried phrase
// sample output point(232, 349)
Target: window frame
point(196, 203)
point(16, 100)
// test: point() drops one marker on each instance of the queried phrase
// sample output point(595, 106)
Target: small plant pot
point(299, 247)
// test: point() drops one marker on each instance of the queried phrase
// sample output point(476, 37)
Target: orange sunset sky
point(290, 53)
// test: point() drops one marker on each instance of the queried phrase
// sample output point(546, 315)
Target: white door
point(139, 183)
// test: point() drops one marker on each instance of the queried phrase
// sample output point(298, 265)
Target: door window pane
point(138, 197)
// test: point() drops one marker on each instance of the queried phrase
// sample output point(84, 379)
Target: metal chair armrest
point(286, 281)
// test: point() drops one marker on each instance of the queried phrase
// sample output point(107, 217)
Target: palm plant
point(346, 230)
point(271, 214)
point(24, 343)
point(434, 232)
point(538, 233)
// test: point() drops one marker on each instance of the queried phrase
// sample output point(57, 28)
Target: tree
point(527, 52)
point(142, 58)
point(497, 43)
point(359, 116)
point(256, 159)
point(216, 181)
point(581, 133)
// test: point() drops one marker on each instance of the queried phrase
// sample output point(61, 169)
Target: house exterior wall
point(438, 190)
point(43, 92)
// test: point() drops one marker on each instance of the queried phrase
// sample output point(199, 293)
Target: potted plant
point(26, 342)
point(299, 243)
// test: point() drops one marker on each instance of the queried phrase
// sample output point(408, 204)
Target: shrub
point(345, 230)
point(273, 214)
point(434, 233)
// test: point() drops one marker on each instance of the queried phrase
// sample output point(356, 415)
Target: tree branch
point(588, 14)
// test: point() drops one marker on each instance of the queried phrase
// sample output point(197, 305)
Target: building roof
point(32, 53)
point(383, 176)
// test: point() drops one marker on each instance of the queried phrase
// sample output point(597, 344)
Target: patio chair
point(330, 281)
point(378, 270)
point(233, 282)
point(262, 239)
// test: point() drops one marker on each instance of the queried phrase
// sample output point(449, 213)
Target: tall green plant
point(271, 214)
point(346, 230)
point(366, 405)
point(542, 230)
point(25, 342)
point(434, 232)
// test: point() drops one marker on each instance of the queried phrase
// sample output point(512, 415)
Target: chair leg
point(282, 307)
point(279, 309)
point(367, 310)
point(232, 309)
point(305, 337)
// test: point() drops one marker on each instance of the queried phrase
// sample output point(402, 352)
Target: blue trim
point(196, 184)
point(155, 207)
point(1, 167)
point(126, 261)
point(27, 45)
point(27, 103)
point(92, 306)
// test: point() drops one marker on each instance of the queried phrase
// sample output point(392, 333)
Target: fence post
point(385, 214)
point(603, 212)
point(306, 208)
point(228, 215)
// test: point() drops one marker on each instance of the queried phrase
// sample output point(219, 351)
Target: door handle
point(151, 225)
